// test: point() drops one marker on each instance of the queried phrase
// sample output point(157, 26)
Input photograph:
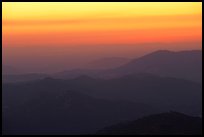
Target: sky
point(59, 35)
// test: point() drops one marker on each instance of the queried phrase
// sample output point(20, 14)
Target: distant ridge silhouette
point(182, 64)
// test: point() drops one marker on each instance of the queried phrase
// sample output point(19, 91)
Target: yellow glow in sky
point(73, 10)
point(96, 22)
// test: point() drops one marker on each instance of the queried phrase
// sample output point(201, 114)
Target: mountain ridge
point(169, 123)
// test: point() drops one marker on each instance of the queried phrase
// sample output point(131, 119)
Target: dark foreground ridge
point(170, 123)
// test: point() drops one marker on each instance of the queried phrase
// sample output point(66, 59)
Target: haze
point(109, 68)
point(50, 37)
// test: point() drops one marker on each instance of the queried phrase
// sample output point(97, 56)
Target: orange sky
point(89, 23)
point(56, 36)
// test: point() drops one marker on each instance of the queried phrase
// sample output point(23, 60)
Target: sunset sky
point(58, 25)
point(100, 23)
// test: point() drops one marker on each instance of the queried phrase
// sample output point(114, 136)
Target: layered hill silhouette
point(83, 101)
point(163, 92)
point(84, 104)
point(170, 123)
point(43, 110)
point(182, 64)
